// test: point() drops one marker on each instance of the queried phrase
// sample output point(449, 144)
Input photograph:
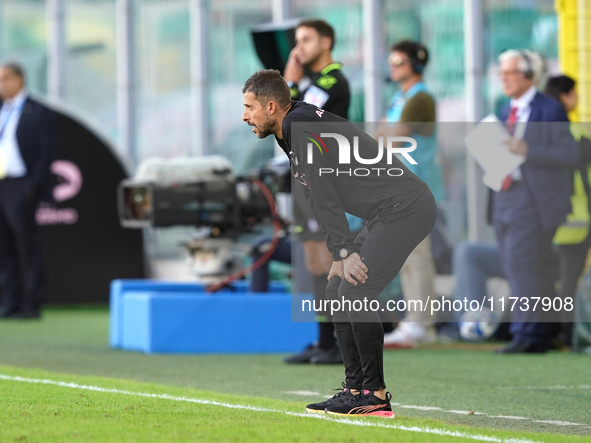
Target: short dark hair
point(267, 85)
point(416, 52)
point(15, 67)
point(560, 84)
point(322, 28)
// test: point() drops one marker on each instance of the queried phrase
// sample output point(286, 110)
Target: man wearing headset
point(412, 109)
point(534, 199)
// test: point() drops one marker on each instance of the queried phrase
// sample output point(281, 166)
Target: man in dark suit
point(534, 199)
point(27, 138)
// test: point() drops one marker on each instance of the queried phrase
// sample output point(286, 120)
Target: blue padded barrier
point(175, 322)
point(120, 287)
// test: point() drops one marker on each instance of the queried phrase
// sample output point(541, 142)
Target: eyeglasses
point(509, 72)
point(396, 60)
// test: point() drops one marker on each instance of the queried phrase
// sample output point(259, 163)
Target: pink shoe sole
point(383, 414)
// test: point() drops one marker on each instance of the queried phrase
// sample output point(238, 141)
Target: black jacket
point(36, 135)
point(328, 89)
point(364, 190)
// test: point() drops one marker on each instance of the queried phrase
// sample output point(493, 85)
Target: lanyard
point(397, 103)
point(5, 122)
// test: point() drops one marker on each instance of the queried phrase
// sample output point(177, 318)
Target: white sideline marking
point(422, 408)
point(302, 393)
point(510, 417)
point(463, 412)
point(558, 387)
point(559, 423)
point(425, 430)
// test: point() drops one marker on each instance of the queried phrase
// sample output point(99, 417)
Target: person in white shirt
point(27, 139)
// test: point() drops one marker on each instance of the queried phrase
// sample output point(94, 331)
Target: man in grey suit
point(534, 200)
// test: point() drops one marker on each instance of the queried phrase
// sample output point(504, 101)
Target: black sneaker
point(305, 355)
point(332, 356)
point(364, 404)
point(336, 399)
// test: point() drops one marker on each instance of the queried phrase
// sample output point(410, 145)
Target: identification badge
point(316, 96)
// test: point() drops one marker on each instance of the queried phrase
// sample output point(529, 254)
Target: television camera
point(204, 192)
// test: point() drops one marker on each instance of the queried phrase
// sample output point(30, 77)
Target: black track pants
point(360, 332)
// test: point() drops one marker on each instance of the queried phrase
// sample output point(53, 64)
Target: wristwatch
point(344, 253)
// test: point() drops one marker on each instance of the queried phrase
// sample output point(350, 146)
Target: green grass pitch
point(59, 382)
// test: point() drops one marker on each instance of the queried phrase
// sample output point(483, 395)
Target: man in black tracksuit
point(331, 158)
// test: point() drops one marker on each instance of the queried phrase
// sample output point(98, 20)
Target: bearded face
point(257, 116)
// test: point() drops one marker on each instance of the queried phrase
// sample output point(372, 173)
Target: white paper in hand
point(487, 142)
